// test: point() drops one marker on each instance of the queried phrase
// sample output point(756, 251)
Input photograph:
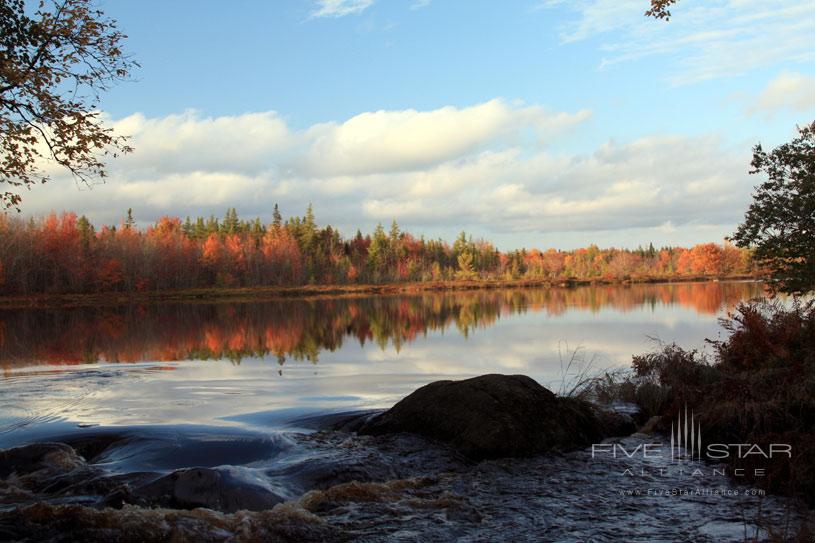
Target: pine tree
point(231, 224)
point(187, 227)
point(277, 219)
point(200, 228)
point(378, 253)
point(212, 225)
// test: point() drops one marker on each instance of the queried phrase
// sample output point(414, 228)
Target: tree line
point(67, 254)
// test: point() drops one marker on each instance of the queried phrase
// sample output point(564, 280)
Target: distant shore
point(319, 291)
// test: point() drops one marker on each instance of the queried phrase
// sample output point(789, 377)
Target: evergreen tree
point(277, 219)
point(378, 253)
point(231, 224)
point(187, 228)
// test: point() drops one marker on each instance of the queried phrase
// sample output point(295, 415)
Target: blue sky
point(529, 122)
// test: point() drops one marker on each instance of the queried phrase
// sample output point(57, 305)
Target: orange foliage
point(212, 250)
point(111, 275)
point(64, 254)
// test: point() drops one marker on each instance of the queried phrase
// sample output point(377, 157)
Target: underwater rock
point(492, 416)
point(37, 457)
point(46, 470)
point(216, 489)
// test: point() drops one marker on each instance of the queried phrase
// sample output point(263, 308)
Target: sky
point(531, 123)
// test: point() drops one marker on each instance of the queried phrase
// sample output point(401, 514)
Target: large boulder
point(492, 416)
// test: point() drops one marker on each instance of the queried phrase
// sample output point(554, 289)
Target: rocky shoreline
point(389, 475)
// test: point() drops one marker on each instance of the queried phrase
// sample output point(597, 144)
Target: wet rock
point(28, 459)
point(93, 442)
point(616, 424)
point(651, 425)
point(492, 416)
point(388, 492)
point(46, 470)
point(217, 489)
point(44, 522)
point(347, 421)
point(335, 458)
point(321, 473)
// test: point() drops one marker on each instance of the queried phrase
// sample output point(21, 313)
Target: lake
point(217, 363)
point(239, 389)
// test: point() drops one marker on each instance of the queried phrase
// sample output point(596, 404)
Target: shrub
point(758, 388)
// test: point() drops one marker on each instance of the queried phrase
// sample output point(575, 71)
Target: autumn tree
point(780, 223)
point(378, 253)
point(465, 266)
point(68, 254)
point(55, 61)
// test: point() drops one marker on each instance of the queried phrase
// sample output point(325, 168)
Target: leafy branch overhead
point(659, 9)
point(55, 61)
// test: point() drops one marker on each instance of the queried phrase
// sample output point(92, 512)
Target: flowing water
point(244, 392)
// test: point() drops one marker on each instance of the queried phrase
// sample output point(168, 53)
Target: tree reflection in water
point(299, 329)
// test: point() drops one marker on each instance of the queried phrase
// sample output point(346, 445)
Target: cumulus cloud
point(790, 90)
point(372, 142)
point(639, 184)
point(410, 139)
point(707, 39)
point(490, 168)
point(340, 8)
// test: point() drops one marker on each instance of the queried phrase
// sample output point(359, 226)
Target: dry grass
point(758, 387)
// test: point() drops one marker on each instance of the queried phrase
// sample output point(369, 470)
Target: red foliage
point(64, 254)
point(110, 276)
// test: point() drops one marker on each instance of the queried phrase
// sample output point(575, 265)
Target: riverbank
point(333, 485)
point(237, 294)
point(751, 398)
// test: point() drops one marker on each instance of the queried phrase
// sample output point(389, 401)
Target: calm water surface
point(238, 388)
point(261, 364)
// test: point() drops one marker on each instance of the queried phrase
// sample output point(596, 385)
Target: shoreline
point(267, 293)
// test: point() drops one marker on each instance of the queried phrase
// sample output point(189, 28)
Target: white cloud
point(419, 4)
point(340, 8)
point(409, 139)
point(489, 168)
point(368, 143)
point(187, 142)
point(645, 183)
point(789, 90)
point(703, 39)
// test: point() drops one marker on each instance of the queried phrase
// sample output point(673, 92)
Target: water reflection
point(168, 408)
point(303, 329)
